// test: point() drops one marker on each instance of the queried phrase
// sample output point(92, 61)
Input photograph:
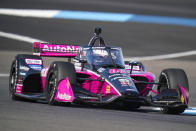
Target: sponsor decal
point(63, 96)
point(19, 88)
point(119, 78)
point(113, 75)
point(135, 68)
point(107, 89)
point(129, 89)
point(182, 99)
point(100, 52)
point(98, 47)
point(24, 68)
point(59, 48)
point(20, 85)
point(33, 61)
point(44, 72)
point(112, 71)
point(125, 82)
point(101, 69)
point(68, 84)
point(36, 67)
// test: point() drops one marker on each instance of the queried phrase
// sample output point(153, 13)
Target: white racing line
point(29, 12)
point(4, 75)
point(189, 111)
point(160, 57)
point(19, 37)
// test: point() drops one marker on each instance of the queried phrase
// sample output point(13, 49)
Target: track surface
point(134, 38)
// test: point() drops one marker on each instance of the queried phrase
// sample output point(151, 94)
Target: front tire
point(173, 79)
point(57, 72)
point(13, 80)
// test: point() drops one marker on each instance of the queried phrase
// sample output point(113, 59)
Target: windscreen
point(105, 57)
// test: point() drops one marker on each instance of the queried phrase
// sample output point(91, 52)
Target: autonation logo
point(59, 48)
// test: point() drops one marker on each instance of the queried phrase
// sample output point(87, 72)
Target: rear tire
point(173, 79)
point(57, 72)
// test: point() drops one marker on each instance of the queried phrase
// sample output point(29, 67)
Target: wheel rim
point(12, 81)
point(51, 85)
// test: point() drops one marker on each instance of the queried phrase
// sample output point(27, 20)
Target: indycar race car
point(97, 75)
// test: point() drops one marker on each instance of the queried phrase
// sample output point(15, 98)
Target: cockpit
point(101, 55)
point(105, 57)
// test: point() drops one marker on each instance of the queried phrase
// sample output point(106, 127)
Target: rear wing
point(45, 49)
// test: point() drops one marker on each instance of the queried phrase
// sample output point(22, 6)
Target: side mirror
point(132, 64)
point(83, 62)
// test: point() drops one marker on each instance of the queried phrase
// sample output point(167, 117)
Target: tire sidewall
point(176, 78)
point(12, 88)
point(50, 97)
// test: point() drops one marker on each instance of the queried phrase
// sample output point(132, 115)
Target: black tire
point(172, 78)
point(12, 80)
point(57, 72)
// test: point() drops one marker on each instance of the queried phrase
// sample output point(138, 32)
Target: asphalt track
point(136, 39)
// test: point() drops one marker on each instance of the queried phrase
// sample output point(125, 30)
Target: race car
point(95, 74)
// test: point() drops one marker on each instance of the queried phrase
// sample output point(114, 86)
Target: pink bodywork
point(19, 88)
point(183, 93)
point(117, 71)
point(64, 92)
point(43, 77)
point(107, 89)
point(94, 85)
point(150, 77)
